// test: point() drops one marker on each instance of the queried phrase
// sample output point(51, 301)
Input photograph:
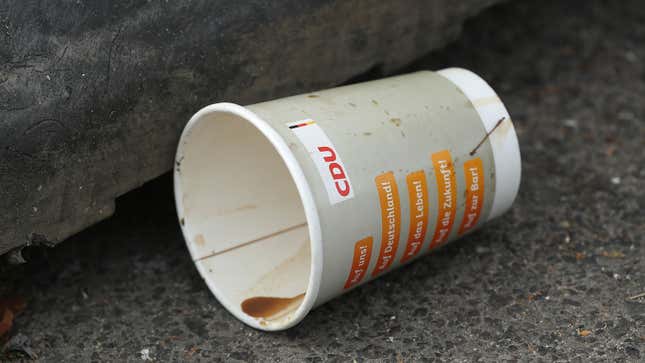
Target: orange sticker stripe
point(474, 172)
point(388, 195)
point(362, 255)
point(444, 171)
point(418, 197)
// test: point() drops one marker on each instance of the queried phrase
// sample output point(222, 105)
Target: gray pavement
point(555, 279)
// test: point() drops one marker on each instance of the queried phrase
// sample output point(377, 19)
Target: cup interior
point(243, 218)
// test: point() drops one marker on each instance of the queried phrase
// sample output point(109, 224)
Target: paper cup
point(289, 203)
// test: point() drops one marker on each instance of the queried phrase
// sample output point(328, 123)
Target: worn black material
point(552, 280)
point(94, 94)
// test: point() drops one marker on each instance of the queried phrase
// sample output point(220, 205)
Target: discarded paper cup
point(289, 203)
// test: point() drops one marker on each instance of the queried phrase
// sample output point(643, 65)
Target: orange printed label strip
point(418, 197)
point(388, 195)
point(474, 174)
point(444, 171)
point(362, 255)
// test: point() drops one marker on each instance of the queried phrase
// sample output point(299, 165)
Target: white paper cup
point(289, 203)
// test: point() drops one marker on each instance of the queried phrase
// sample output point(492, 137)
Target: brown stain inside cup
point(271, 307)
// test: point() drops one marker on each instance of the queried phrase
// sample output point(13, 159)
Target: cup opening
point(243, 219)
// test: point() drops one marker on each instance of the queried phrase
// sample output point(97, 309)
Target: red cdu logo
point(326, 158)
point(336, 170)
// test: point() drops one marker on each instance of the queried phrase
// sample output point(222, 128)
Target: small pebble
point(626, 115)
point(481, 250)
point(631, 56)
point(584, 332)
point(571, 123)
point(145, 354)
point(615, 180)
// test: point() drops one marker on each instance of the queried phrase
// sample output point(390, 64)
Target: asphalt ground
point(558, 278)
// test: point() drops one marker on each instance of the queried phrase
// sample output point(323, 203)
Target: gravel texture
point(552, 280)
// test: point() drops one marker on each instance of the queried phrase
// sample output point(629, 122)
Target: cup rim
point(306, 197)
